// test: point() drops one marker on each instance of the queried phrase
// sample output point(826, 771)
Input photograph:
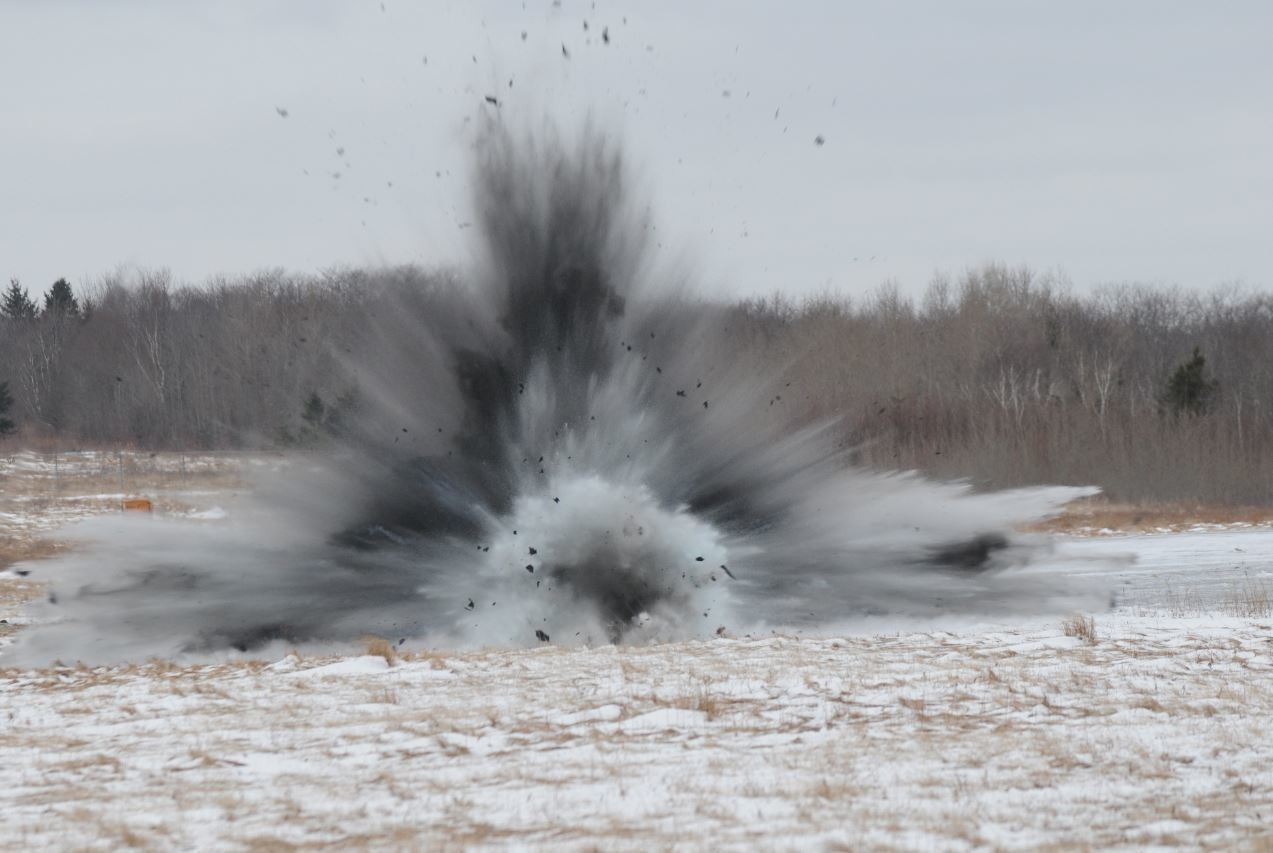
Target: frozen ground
point(1154, 733)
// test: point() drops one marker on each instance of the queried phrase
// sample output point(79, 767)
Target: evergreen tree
point(314, 414)
point(60, 300)
point(6, 423)
point(17, 304)
point(1188, 389)
point(323, 420)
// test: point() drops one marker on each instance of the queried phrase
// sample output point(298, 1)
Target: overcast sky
point(1112, 140)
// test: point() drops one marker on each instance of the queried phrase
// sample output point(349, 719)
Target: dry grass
point(1090, 515)
point(21, 549)
point(1078, 625)
point(1250, 600)
point(380, 647)
point(788, 727)
point(127, 472)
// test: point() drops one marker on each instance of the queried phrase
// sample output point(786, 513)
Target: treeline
point(1007, 378)
point(1001, 376)
point(148, 364)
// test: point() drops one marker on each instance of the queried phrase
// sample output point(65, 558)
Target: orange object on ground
point(137, 505)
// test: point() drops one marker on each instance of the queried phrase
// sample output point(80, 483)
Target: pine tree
point(60, 300)
point(6, 423)
point(17, 304)
point(1188, 389)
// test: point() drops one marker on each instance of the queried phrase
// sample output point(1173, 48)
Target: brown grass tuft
point(380, 647)
point(1078, 625)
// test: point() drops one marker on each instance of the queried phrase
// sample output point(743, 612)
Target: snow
point(359, 665)
point(937, 735)
point(211, 514)
point(1017, 736)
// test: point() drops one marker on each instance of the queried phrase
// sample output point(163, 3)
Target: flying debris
point(282, 111)
point(819, 140)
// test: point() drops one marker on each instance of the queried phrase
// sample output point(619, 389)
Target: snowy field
point(1147, 727)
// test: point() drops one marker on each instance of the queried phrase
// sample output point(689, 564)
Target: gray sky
point(1113, 140)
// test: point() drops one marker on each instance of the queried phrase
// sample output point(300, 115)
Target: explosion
point(564, 446)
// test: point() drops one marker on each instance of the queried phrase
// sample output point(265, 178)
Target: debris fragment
point(541, 636)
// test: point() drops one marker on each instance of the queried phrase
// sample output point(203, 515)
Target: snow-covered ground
point(1154, 733)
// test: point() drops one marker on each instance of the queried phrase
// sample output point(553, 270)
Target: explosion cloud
point(558, 448)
